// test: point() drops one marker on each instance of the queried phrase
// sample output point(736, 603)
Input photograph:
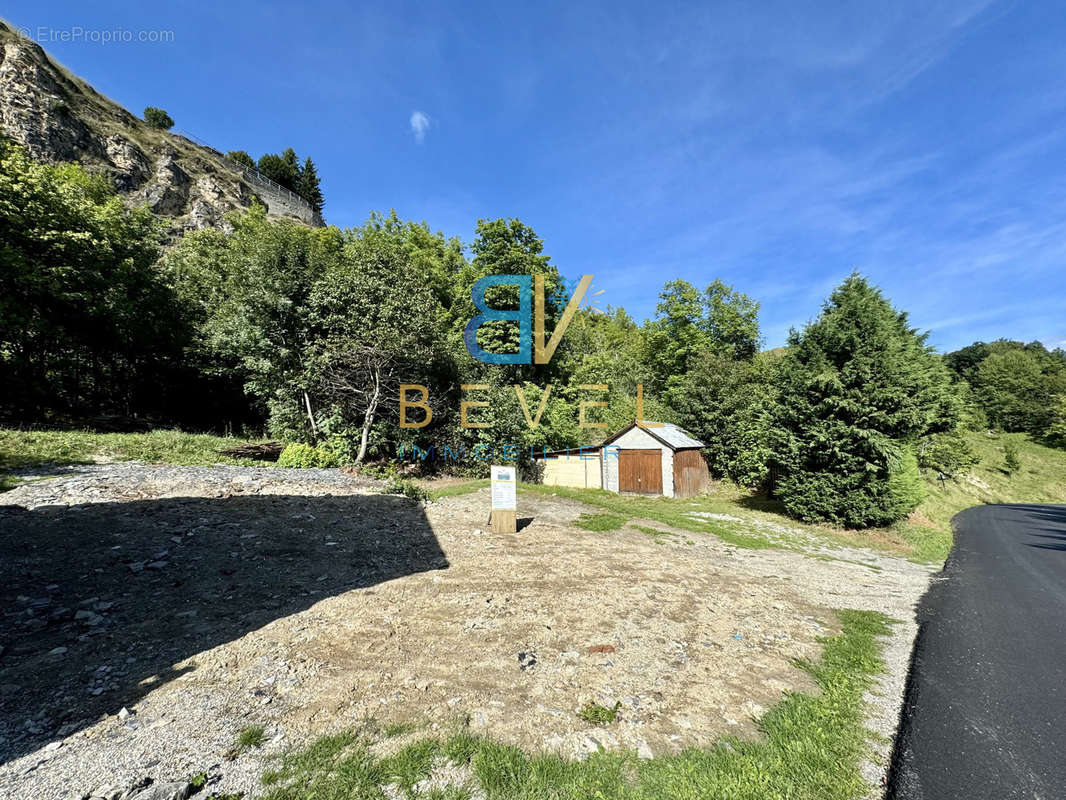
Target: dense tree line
point(1016, 387)
point(312, 333)
point(285, 169)
point(88, 322)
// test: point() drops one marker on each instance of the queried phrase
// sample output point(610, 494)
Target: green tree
point(242, 158)
point(505, 247)
point(87, 323)
point(370, 337)
point(732, 321)
point(689, 323)
point(1015, 391)
point(857, 389)
point(249, 294)
point(727, 404)
point(678, 332)
point(1013, 384)
point(292, 163)
point(1011, 461)
point(309, 188)
point(279, 169)
point(1055, 434)
point(158, 118)
point(605, 348)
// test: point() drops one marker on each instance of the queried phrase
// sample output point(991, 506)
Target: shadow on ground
point(1048, 525)
point(135, 587)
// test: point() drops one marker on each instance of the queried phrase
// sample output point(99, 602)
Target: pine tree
point(292, 163)
point(309, 188)
point(279, 169)
point(858, 388)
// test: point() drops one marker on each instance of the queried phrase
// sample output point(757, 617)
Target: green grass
point(24, 449)
point(810, 749)
point(925, 536)
point(600, 522)
point(674, 513)
point(454, 490)
point(394, 729)
point(655, 533)
point(249, 737)
point(1040, 479)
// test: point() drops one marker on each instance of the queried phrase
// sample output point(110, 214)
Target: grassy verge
point(926, 535)
point(23, 449)
point(453, 490)
point(617, 509)
point(1041, 479)
point(810, 750)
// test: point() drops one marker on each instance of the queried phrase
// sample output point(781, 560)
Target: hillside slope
point(1041, 479)
point(57, 116)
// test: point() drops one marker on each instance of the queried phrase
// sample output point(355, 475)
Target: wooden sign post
point(504, 500)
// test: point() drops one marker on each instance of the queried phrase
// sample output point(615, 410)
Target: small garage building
point(661, 460)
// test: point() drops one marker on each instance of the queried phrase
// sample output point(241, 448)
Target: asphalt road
point(985, 710)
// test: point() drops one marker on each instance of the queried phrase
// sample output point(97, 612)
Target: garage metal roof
point(669, 434)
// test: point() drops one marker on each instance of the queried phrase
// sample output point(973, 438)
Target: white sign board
point(504, 489)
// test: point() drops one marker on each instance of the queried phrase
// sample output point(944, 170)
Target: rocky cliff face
point(58, 117)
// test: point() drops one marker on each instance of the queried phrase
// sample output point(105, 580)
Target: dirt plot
point(205, 599)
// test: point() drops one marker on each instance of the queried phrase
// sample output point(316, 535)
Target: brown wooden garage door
point(640, 471)
point(690, 473)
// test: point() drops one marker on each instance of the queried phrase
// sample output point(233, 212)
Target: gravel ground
point(152, 612)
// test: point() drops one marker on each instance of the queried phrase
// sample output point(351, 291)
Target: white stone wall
point(581, 471)
point(281, 203)
point(636, 439)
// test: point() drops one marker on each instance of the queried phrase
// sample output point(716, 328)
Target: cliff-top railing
point(248, 172)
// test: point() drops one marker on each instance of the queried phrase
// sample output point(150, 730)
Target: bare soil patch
point(307, 602)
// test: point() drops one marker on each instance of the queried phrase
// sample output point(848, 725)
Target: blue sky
point(777, 146)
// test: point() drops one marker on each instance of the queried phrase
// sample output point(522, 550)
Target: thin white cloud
point(419, 125)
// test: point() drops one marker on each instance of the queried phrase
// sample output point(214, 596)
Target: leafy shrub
point(158, 118)
point(1011, 462)
point(1055, 434)
point(242, 158)
point(407, 488)
point(595, 714)
point(905, 490)
point(304, 456)
point(949, 453)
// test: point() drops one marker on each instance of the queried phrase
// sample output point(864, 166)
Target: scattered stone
point(57, 651)
point(527, 660)
point(177, 790)
point(124, 713)
point(601, 648)
point(158, 564)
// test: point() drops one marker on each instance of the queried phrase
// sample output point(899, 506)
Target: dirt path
point(206, 599)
